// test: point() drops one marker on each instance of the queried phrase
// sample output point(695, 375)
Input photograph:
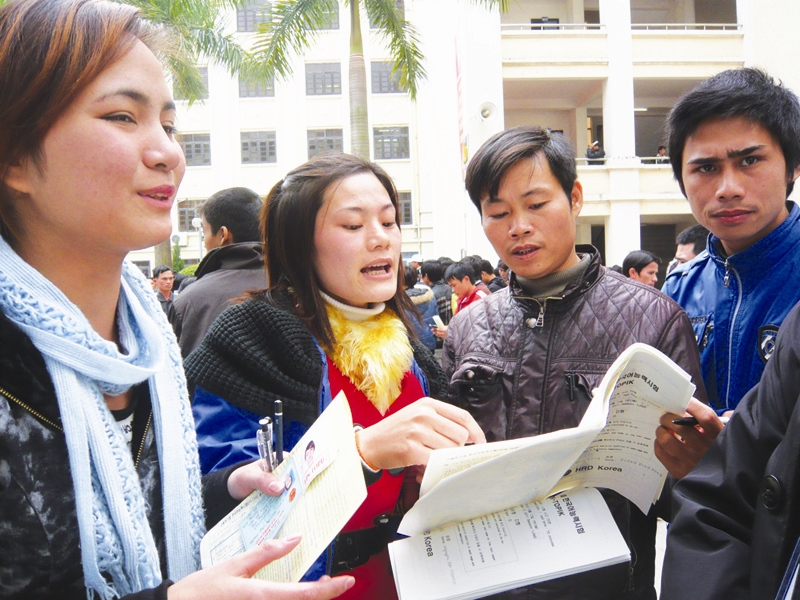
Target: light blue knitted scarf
point(117, 548)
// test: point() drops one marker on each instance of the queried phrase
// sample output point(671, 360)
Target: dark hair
point(238, 209)
point(747, 93)
point(50, 52)
point(161, 269)
point(445, 261)
point(638, 260)
point(486, 267)
point(502, 265)
point(410, 276)
point(502, 151)
point(288, 218)
point(432, 269)
point(661, 147)
point(459, 270)
point(696, 235)
point(474, 264)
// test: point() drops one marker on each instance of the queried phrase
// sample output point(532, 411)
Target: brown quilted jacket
point(522, 369)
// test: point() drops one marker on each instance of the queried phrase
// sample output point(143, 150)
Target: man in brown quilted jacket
point(524, 360)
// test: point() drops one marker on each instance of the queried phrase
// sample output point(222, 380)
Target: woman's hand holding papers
point(407, 437)
point(233, 579)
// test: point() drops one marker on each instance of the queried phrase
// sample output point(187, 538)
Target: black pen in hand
point(278, 429)
point(692, 421)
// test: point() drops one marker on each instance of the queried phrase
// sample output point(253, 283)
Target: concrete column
point(583, 233)
point(575, 11)
point(623, 231)
point(579, 119)
point(618, 124)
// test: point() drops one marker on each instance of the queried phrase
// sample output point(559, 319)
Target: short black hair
point(486, 267)
point(459, 270)
point(410, 276)
point(433, 269)
point(474, 264)
point(638, 260)
point(746, 93)
point(161, 269)
point(696, 235)
point(238, 209)
point(504, 150)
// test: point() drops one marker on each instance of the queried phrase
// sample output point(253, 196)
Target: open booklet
point(562, 535)
point(324, 486)
point(611, 448)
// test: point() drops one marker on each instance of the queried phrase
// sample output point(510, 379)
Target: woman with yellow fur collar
point(333, 319)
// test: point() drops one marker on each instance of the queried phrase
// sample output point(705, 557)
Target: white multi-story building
point(593, 69)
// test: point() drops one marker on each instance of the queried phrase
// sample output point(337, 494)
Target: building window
point(404, 208)
point(144, 267)
point(253, 14)
point(259, 147)
point(383, 81)
point(400, 9)
point(390, 142)
point(324, 140)
point(331, 19)
point(196, 148)
point(187, 210)
point(179, 95)
point(256, 89)
point(323, 79)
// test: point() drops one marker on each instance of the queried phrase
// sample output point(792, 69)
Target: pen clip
point(264, 441)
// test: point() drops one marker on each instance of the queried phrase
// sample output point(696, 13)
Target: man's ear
point(18, 178)
point(226, 237)
point(632, 274)
point(577, 198)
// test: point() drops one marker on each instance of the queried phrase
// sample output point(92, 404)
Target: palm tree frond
point(403, 41)
point(292, 29)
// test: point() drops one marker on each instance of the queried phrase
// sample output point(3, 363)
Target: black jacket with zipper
point(40, 553)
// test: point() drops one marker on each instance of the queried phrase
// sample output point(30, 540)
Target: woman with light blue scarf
point(100, 489)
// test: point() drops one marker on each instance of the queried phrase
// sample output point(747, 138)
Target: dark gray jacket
point(519, 378)
point(223, 275)
point(737, 515)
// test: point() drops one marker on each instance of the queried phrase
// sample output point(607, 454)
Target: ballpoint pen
point(264, 439)
point(278, 432)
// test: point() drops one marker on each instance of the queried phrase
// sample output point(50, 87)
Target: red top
point(373, 580)
point(476, 295)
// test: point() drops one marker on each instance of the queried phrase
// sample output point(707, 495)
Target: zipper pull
point(538, 321)
point(727, 279)
point(572, 381)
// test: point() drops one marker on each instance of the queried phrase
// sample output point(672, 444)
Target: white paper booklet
point(612, 448)
point(324, 486)
point(562, 535)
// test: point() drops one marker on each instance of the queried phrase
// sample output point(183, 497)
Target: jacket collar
point(574, 288)
point(240, 257)
point(23, 373)
point(752, 264)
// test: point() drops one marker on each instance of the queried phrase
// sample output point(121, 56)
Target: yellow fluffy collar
point(374, 354)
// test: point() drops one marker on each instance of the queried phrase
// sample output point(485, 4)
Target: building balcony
point(564, 51)
point(690, 50)
point(580, 51)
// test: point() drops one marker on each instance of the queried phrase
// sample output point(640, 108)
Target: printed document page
point(515, 477)
point(621, 457)
point(335, 490)
point(562, 535)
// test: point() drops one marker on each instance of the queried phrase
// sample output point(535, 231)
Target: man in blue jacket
point(734, 145)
